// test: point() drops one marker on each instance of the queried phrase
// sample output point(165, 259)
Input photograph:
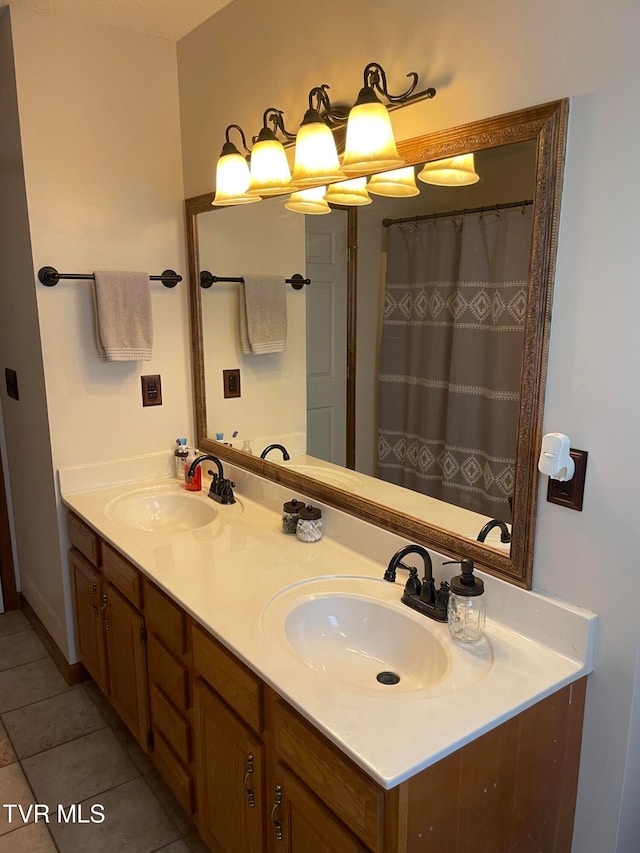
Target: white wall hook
point(555, 460)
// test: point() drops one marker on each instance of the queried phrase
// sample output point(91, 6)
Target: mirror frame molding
point(547, 123)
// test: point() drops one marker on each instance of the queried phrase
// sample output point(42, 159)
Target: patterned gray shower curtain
point(451, 357)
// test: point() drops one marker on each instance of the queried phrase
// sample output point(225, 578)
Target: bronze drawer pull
point(250, 794)
point(276, 823)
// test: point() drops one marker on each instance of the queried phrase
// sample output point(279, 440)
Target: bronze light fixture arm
point(375, 80)
point(274, 116)
point(334, 116)
point(241, 132)
point(375, 77)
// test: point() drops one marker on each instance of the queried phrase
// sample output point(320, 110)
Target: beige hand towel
point(124, 326)
point(263, 314)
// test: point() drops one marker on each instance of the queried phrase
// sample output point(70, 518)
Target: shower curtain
point(451, 356)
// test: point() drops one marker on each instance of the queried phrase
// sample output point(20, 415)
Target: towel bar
point(296, 281)
point(49, 276)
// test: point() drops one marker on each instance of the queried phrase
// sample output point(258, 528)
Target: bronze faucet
point(420, 595)
point(505, 536)
point(280, 447)
point(221, 489)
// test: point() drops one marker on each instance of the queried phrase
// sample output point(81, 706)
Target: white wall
point(101, 147)
point(486, 59)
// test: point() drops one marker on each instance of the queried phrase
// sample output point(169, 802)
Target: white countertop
point(225, 573)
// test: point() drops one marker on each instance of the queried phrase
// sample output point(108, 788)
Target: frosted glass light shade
point(270, 173)
point(309, 201)
point(451, 172)
point(370, 145)
point(351, 193)
point(316, 157)
point(232, 180)
point(397, 183)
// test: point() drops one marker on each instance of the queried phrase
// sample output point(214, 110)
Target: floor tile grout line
point(138, 773)
point(18, 760)
point(25, 663)
point(25, 825)
point(68, 688)
point(19, 631)
point(29, 662)
point(29, 786)
point(22, 758)
point(107, 725)
point(164, 810)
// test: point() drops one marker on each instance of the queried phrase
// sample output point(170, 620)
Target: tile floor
point(65, 745)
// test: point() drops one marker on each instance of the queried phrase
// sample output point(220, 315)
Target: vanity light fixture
point(232, 173)
point(309, 201)
point(351, 193)
point(270, 173)
point(456, 171)
point(316, 158)
point(370, 145)
point(397, 183)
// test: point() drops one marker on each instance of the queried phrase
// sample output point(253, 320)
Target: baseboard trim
point(73, 673)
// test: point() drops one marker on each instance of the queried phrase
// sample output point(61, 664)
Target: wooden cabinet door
point(230, 773)
point(299, 823)
point(88, 604)
point(124, 630)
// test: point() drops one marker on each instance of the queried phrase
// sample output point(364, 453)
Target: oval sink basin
point(162, 510)
point(363, 642)
point(355, 632)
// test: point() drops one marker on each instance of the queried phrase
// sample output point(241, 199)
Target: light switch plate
point(231, 383)
point(151, 390)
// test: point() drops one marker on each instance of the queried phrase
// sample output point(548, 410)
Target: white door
point(326, 257)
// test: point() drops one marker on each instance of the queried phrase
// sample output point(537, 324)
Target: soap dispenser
point(466, 611)
point(194, 483)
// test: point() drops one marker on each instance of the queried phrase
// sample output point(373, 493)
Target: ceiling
point(167, 19)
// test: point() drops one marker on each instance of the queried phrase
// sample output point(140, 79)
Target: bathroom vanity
point(180, 629)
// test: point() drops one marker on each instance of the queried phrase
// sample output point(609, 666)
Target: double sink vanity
point(246, 664)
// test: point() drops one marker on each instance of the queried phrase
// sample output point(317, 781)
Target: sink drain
point(388, 677)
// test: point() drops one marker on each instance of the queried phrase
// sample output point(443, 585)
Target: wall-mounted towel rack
point(296, 281)
point(49, 276)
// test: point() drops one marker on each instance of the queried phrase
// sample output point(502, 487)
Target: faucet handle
point(442, 595)
point(413, 585)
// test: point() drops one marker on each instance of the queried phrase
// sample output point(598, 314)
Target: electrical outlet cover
point(571, 492)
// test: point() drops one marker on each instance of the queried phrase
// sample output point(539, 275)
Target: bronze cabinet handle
point(251, 797)
point(277, 825)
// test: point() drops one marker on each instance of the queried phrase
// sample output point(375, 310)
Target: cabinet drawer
point(168, 673)
point(122, 575)
point(84, 539)
point(173, 726)
point(165, 618)
point(174, 774)
point(337, 781)
point(237, 685)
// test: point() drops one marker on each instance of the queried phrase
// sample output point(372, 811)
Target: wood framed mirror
point(545, 127)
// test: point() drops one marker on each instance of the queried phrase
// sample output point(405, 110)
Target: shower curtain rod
point(492, 208)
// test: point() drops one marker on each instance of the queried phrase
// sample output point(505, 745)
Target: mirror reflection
point(442, 281)
point(420, 518)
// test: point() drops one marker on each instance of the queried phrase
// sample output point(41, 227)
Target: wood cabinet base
point(258, 776)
